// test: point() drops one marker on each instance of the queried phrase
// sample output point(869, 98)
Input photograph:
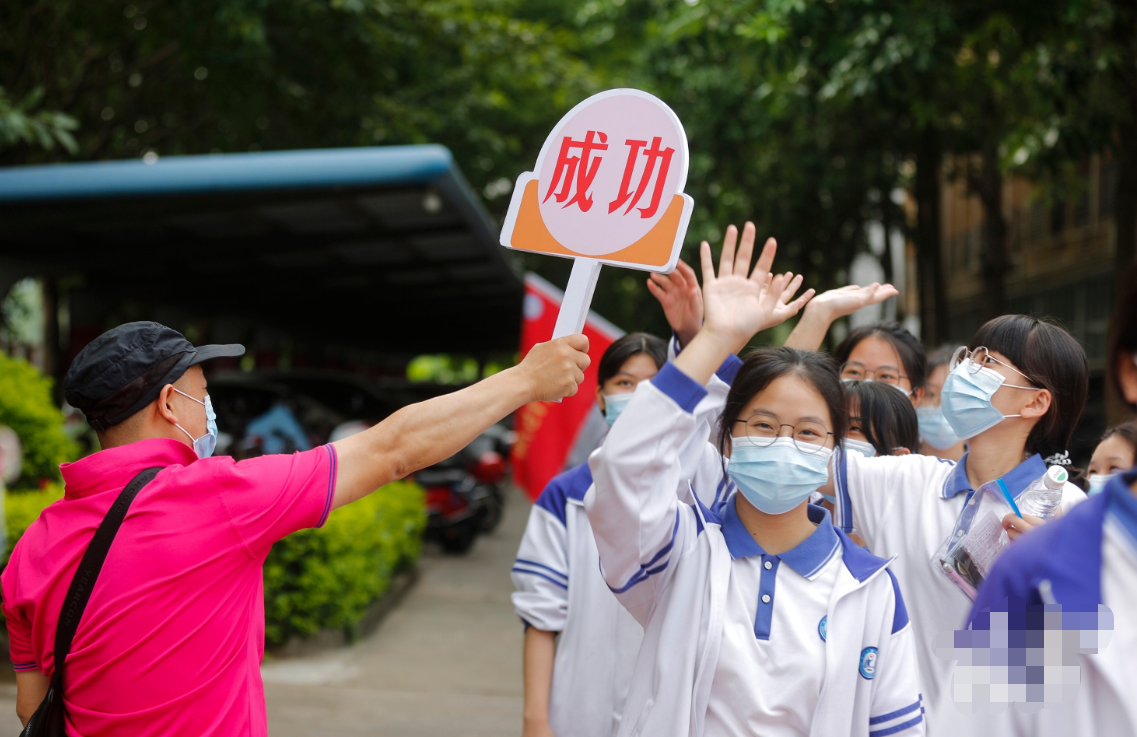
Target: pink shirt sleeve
point(19, 639)
point(270, 497)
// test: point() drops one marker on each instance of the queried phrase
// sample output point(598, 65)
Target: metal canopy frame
point(380, 250)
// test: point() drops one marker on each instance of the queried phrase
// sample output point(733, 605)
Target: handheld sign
point(607, 189)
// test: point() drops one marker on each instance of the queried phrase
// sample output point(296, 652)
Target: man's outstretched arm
point(423, 434)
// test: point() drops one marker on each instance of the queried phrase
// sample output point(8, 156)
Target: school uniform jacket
point(669, 565)
point(1085, 559)
point(559, 587)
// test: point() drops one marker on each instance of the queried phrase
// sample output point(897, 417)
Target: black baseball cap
point(125, 368)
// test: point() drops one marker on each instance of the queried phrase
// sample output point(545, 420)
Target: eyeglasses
point(763, 429)
point(856, 371)
point(979, 358)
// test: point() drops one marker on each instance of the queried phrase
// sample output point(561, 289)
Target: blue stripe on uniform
point(643, 574)
point(542, 565)
point(550, 579)
point(900, 613)
point(897, 728)
point(894, 714)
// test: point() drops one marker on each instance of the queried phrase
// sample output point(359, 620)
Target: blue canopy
point(346, 252)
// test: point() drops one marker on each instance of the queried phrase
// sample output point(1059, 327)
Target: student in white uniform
point(580, 644)
point(763, 619)
point(1086, 559)
point(1015, 395)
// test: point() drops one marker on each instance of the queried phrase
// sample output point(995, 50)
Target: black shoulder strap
point(84, 581)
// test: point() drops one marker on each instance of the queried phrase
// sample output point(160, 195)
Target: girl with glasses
point(1015, 395)
point(1080, 563)
point(760, 617)
point(883, 352)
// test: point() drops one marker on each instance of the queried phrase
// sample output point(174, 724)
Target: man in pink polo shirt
point(172, 638)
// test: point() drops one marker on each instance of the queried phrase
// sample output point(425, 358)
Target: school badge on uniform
point(868, 663)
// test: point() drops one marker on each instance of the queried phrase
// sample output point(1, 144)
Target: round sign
point(609, 171)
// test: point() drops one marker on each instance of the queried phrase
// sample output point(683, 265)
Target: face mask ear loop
point(184, 430)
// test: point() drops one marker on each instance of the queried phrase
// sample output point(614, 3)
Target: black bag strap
point(79, 593)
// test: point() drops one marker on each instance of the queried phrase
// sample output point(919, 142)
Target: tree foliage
point(803, 115)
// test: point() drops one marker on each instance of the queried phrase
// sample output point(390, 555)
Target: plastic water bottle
point(1044, 494)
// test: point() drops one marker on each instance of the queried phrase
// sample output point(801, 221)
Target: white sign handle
point(578, 297)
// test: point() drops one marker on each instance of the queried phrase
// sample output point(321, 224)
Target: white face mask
point(860, 446)
point(1098, 482)
point(205, 445)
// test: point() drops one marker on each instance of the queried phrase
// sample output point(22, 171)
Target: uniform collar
point(807, 559)
point(115, 467)
point(1017, 479)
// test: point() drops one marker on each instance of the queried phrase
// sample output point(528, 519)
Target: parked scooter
point(465, 493)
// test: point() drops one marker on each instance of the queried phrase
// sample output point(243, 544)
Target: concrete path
point(446, 661)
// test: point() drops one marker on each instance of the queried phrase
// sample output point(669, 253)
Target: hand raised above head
point(555, 369)
point(682, 300)
point(845, 301)
point(739, 302)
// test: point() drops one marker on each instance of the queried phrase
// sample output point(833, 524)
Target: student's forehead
point(789, 395)
point(875, 351)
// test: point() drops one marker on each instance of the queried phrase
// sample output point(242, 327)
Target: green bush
point(326, 578)
point(23, 508)
point(26, 407)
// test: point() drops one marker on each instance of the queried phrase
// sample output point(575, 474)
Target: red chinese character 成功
point(580, 170)
point(653, 154)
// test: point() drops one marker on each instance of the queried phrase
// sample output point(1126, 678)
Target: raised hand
point(739, 302)
point(682, 300)
point(555, 369)
point(828, 306)
point(845, 301)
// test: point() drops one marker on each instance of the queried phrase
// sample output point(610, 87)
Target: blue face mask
point(614, 404)
point(966, 400)
point(777, 477)
point(204, 445)
point(1098, 482)
point(860, 446)
point(934, 428)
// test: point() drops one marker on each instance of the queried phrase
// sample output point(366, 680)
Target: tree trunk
point(994, 263)
point(929, 259)
point(1125, 201)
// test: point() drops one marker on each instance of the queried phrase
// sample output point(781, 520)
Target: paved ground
point(447, 661)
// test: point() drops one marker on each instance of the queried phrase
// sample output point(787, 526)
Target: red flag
point(546, 431)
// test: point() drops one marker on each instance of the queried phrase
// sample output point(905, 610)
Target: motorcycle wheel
point(459, 539)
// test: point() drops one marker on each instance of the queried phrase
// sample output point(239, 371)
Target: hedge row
point(314, 579)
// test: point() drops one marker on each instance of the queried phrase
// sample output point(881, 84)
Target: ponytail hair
point(1053, 360)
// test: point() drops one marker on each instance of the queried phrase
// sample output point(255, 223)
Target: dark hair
point(632, 344)
point(1123, 332)
point(764, 365)
point(910, 350)
point(888, 418)
point(1052, 359)
point(1127, 431)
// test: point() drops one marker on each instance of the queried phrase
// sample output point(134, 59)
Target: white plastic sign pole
point(578, 297)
